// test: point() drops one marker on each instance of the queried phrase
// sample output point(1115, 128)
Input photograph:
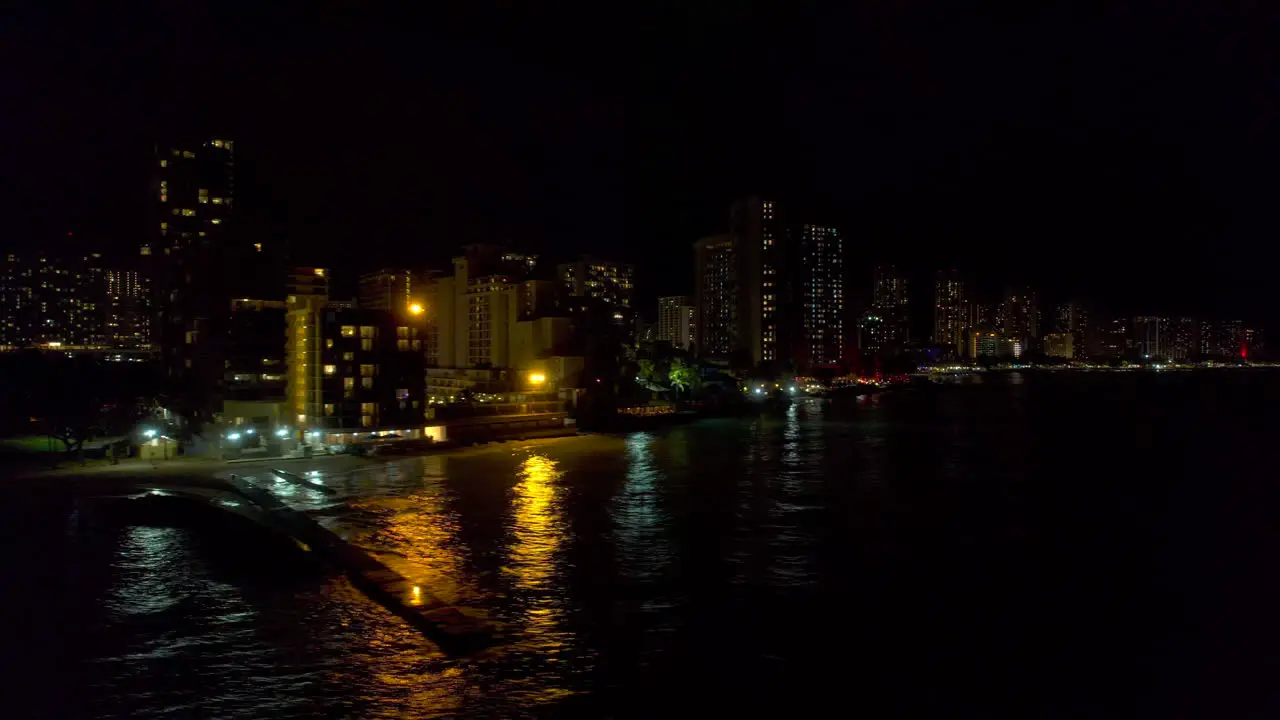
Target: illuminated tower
point(821, 269)
point(950, 310)
point(198, 264)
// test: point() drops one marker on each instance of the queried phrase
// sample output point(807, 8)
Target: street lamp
point(149, 432)
point(415, 309)
point(282, 432)
point(537, 378)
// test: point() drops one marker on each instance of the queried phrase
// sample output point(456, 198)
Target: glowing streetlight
point(149, 433)
point(233, 436)
point(415, 309)
point(537, 378)
point(282, 432)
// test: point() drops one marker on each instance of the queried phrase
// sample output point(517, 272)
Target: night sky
point(1124, 155)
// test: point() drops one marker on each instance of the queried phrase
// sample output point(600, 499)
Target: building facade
point(1073, 318)
point(127, 309)
point(951, 311)
point(198, 264)
point(716, 260)
point(612, 283)
point(676, 321)
point(255, 359)
point(1183, 339)
point(1059, 345)
point(762, 239)
point(1020, 317)
point(72, 301)
point(891, 302)
point(391, 289)
point(368, 374)
point(822, 301)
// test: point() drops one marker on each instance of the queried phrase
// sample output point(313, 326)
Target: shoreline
point(199, 473)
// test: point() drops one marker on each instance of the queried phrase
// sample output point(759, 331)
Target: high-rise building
point(822, 296)
point(355, 370)
point(676, 323)
point(871, 333)
point(766, 295)
point(1223, 340)
point(1073, 318)
point(198, 264)
point(1254, 346)
point(1112, 338)
point(1059, 345)
point(610, 282)
point(762, 239)
point(951, 311)
point(71, 301)
point(994, 345)
point(195, 192)
point(255, 359)
point(17, 303)
point(1020, 317)
point(1151, 337)
point(716, 279)
point(1234, 344)
point(891, 303)
point(389, 289)
point(1183, 341)
point(474, 317)
point(127, 309)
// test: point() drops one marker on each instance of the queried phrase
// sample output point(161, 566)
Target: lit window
point(366, 383)
point(366, 345)
point(217, 143)
point(348, 356)
point(256, 246)
point(217, 201)
point(328, 343)
point(319, 272)
point(215, 221)
point(164, 163)
point(402, 332)
point(366, 331)
point(188, 212)
point(366, 371)
point(348, 331)
point(188, 154)
point(348, 383)
point(330, 369)
point(328, 408)
point(402, 344)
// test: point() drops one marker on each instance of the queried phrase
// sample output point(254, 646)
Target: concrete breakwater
point(455, 631)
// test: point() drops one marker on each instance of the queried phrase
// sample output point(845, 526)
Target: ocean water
point(1048, 545)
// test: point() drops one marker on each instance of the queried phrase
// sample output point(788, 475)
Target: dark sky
point(1121, 152)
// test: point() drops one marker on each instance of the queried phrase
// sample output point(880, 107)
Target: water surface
point(1038, 545)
